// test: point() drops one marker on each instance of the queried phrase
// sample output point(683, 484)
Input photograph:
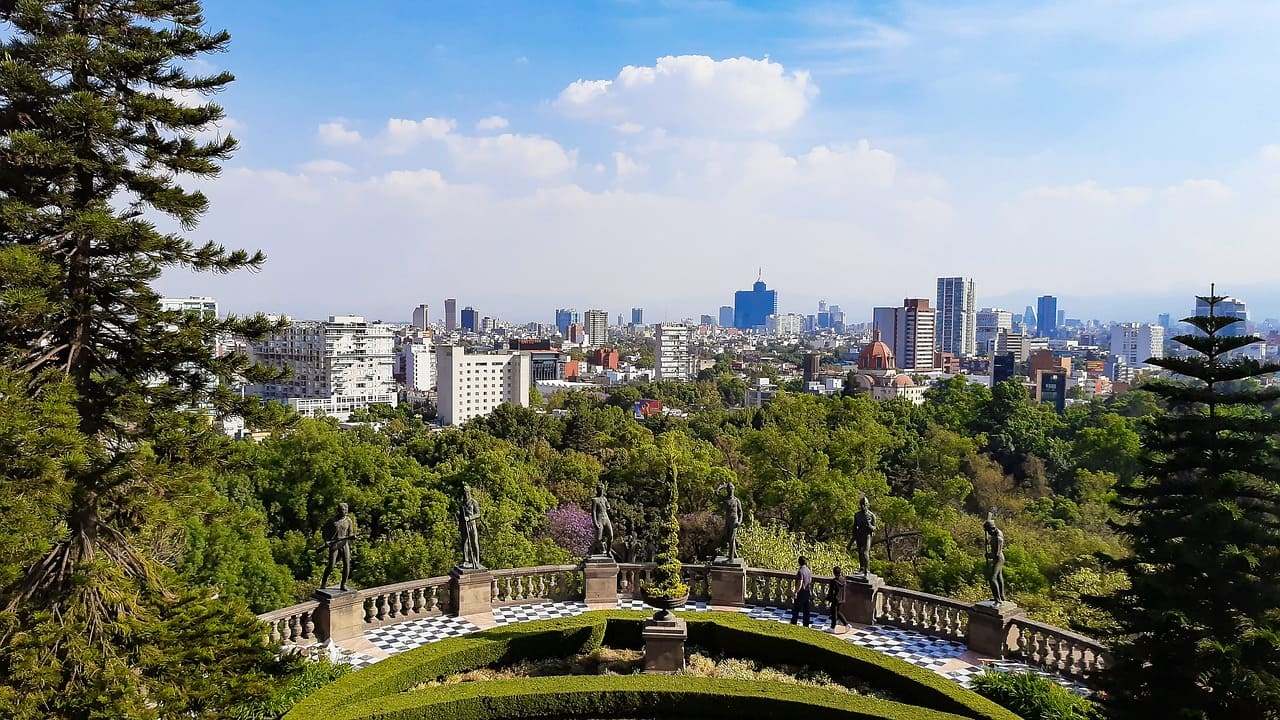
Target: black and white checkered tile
point(414, 633)
point(537, 611)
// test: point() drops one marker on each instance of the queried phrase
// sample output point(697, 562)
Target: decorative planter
point(664, 604)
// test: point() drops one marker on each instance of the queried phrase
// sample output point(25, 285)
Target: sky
point(518, 156)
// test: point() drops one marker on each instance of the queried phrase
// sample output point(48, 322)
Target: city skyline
point(690, 144)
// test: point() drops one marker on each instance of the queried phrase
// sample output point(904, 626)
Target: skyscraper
point(421, 317)
point(637, 316)
point(909, 332)
point(990, 321)
point(1229, 307)
point(752, 307)
point(564, 318)
point(1163, 320)
point(1046, 315)
point(597, 325)
point(957, 316)
point(470, 319)
point(1137, 342)
point(450, 314)
point(726, 316)
point(671, 351)
point(1028, 319)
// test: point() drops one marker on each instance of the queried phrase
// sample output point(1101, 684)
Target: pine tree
point(1200, 622)
point(100, 115)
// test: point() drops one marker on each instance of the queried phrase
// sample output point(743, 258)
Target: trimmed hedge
point(382, 685)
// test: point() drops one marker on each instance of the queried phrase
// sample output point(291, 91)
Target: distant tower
point(957, 316)
point(671, 351)
point(470, 319)
point(451, 314)
point(751, 308)
point(909, 331)
point(1046, 315)
point(421, 317)
point(597, 325)
point(637, 316)
point(726, 316)
point(1029, 319)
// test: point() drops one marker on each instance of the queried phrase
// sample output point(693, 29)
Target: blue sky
point(854, 150)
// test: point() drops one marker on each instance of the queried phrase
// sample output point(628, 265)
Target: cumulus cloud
point(337, 133)
point(697, 93)
point(526, 155)
point(625, 167)
point(493, 122)
point(324, 166)
point(400, 136)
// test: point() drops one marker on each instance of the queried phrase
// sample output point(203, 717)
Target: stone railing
point(777, 588)
point(698, 578)
point(929, 614)
point(390, 604)
point(545, 583)
point(1056, 650)
point(631, 576)
point(294, 625)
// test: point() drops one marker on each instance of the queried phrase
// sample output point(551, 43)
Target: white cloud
point(337, 133)
point(400, 136)
point(625, 167)
point(493, 122)
point(324, 166)
point(695, 92)
point(496, 156)
point(629, 128)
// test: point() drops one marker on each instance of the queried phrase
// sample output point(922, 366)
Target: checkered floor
point(913, 647)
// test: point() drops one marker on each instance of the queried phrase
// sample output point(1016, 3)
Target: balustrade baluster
point(308, 626)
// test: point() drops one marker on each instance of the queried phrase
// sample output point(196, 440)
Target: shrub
point(570, 527)
point(312, 677)
point(1034, 697)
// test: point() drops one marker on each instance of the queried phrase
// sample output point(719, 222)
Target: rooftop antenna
point(760, 273)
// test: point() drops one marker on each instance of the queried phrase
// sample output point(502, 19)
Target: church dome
point(903, 381)
point(876, 356)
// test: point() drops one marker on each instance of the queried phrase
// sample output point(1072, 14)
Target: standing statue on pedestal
point(469, 524)
point(732, 521)
point(864, 526)
point(337, 535)
point(600, 521)
point(995, 558)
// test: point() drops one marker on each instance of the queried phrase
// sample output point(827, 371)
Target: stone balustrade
point(999, 631)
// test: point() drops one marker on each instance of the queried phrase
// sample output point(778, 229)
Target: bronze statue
point(864, 526)
point(600, 521)
point(469, 522)
point(995, 558)
point(337, 535)
point(732, 520)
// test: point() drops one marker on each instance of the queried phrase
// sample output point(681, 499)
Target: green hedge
point(383, 684)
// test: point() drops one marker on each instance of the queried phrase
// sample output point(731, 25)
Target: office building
point(1062, 318)
point(450, 315)
point(811, 366)
point(338, 366)
point(1227, 307)
point(726, 316)
point(789, 324)
point(1137, 342)
point(1163, 320)
point(421, 317)
point(566, 317)
point(1003, 367)
point(637, 316)
point(597, 327)
point(1046, 315)
point(1016, 343)
point(671, 351)
point(909, 331)
point(1051, 388)
point(706, 321)
point(419, 361)
point(957, 316)
point(990, 323)
point(470, 385)
point(752, 308)
point(470, 319)
point(1028, 319)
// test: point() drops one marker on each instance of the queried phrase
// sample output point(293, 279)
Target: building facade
point(637, 316)
point(421, 317)
point(990, 323)
point(451, 315)
point(1138, 342)
point(469, 385)
point(671, 351)
point(726, 316)
point(957, 316)
point(597, 327)
point(752, 308)
point(1046, 315)
point(788, 324)
point(566, 317)
point(909, 331)
point(419, 364)
point(470, 320)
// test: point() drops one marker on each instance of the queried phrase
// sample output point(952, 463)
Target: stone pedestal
point(470, 590)
point(729, 584)
point(860, 598)
point(664, 645)
point(340, 615)
point(600, 579)
point(989, 627)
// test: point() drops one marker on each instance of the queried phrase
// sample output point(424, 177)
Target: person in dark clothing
point(804, 592)
point(835, 598)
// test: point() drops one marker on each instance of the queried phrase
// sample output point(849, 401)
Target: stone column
point(600, 580)
point(729, 585)
point(664, 645)
point(860, 598)
point(340, 615)
point(470, 591)
point(989, 627)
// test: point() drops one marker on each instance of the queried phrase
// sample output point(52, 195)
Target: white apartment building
point(789, 324)
point(1016, 343)
point(340, 365)
point(671, 351)
point(909, 331)
point(419, 364)
point(472, 385)
point(597, 327)
point(957, 316)
point(1137, 342)
point(990, 323)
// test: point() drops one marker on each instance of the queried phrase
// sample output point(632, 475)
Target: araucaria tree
point(101, 115)
point(1200, 622)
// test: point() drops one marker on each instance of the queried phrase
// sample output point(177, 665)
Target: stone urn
point(664, 604)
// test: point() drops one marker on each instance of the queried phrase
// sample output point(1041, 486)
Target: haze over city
point(617, 154)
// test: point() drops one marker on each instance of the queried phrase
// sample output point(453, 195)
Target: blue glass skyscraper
point(752, 307)
point(1046, 315)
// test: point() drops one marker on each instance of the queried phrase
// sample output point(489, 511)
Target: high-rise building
point(811, 367)
point(751, 308)
point(990, 322)
point(671, 351)
point(788, 324)
point(909, 332)
point(1003, 366)
point(419, 364)
point(706, 321)
point(1028, 319)
point(1046, 315)
point(1163, 320)
point(597, 325)
point(472, 385)
point(1137, 342)
point(470, 319)
point(337, 366)
point(421, 317)
point(1062, 318)
point(564, 318)
point(957, 316)
point(1016, 344)
point(450, 314)
point(637, 316)
point(1228, 307)
point(726, 316)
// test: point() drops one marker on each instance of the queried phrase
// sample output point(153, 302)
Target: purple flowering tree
point(570, 527)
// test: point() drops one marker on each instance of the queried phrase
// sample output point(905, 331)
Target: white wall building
point(957, 316)
point(909, 331)
point(671, 351)
point(419, 363)
point(789, 324)
point(990, 322)
point(1136, 342)
point(340, 365)
point(472, 385)
point(597, 327)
